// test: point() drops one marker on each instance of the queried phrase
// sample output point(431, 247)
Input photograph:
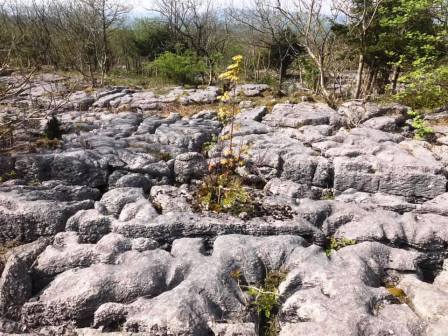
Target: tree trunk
point(281, 75)
point(319, 61)
point(372, 78)
point(105, 58)
point(357, 92)
point(322, 82)
point(395, 77)
point(384, 81)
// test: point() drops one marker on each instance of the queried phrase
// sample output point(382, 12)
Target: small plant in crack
point(4, 249)
point(223, 193)
point(265, 300)
point(328, 195)
point(335, 244)
point(161, 155)
point(222, 189)
point(52, 129)
point(165, 156)
point(398, 294)
point(422, 130)
point(48, 143)
point(12, 175)
point(206, 146)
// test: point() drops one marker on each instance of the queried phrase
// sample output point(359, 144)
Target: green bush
point(421, 127)
point(152, 38)
point(266, 301)
point(336, 244)
point(309, 73)
point(224, 193)
point(53, 129)
point(425, 89)
point(181, 68)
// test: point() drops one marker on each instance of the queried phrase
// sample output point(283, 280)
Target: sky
point(140, 7)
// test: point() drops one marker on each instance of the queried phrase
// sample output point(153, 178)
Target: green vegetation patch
point(336, 244)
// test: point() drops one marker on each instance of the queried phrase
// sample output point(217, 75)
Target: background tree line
point(356, 49)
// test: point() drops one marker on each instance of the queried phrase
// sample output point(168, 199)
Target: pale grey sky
point(141, 6)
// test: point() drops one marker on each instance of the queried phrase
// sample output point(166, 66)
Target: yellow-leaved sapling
point(222, 189)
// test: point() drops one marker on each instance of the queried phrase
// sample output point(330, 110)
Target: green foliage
point(222, 190)
point(223, 193)
point(328, 195)
point(209, 144)
point(399, 294)
point(53, 129)
point(12, 175)
point(336, 244)
point(181, 68)
point(425, 88)
point(152, 38)
point(403, 35)
point(309, 73)
point(269, 79)
point(265, 299)
point(266, 302)
point(410, 33)
point(422, 130)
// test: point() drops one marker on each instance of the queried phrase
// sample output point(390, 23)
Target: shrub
point(53, 129)
point(425, 88)
point(309, 73)
point(223, 193)
point(151, 38)
point(181, 68)
point(222, 190)
point(328, 195)
point(336, 244)
point(12, 175)
point(265, 299)
point(399, 294)
point(422, 130)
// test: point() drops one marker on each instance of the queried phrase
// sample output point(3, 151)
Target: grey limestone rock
point(90, 225)
point(27, 213)
point(188, 166)
point(134, 180)
point(119, 246)
point(169, 198)
point(385, 123)
point(303, 114)
point(75, 294)
point(114, 200)
point(15, 281)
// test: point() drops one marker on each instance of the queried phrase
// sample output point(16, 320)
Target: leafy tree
point(361, 16)
point(425, 88)
point(152, 38)
point(181, 68)
point(313, 29)
point(270, 30)
point(399, 35)
point(53, 129)
point(413, 35)
point(423, 51)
